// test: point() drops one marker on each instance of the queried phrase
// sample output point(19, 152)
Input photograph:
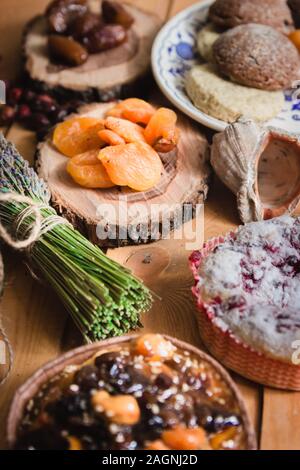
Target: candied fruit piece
point(133, 109)
point(111, 138)
point(154, 347)
point(129, 131)
point(161, 132)
point(88, 171)
point(78, 135)
point(217, 442)
point(186, 439)
point(135, 165)
point(74, 443)
point(157, 445)
point(120, 409)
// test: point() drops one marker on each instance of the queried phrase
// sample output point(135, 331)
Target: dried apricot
point(186, 439)
point(133, 109)
point(161, 132)
point(120, 409)
point(110, 137)
point(129, 131)
point(88, 171)
point(295, 38)
point(135, 165)
point(78, 135)
point(74, 443)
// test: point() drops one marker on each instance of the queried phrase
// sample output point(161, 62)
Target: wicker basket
point(80, 355)
point(232, 352)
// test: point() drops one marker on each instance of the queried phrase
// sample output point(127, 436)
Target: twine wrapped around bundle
point(103, 298)
point(36, 229)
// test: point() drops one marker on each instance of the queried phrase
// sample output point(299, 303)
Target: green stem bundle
point(103, 298)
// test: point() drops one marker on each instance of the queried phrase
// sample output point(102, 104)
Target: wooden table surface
point(37, 324)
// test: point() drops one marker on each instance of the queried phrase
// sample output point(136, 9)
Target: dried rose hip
point(7, 114)
point(114, 12)
point(24, 112)
point(14, 96)
point(67, 50)
point(62, 13)
point(108, 37)
point(37, 121)
point(84, 24)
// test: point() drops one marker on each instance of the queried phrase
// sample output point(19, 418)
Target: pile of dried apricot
point(121, 149)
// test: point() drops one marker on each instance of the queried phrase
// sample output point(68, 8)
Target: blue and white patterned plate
point(175, 52)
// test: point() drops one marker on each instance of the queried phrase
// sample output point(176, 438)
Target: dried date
point(84, 24)
point(114, 12)
point(62, 13)
point(66, 50)
point(106, 38)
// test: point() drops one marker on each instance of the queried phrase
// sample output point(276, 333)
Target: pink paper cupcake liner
point(228, 349)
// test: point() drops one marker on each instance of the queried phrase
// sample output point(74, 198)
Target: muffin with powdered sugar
point(247, 291)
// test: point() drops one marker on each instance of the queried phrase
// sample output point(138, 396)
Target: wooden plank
point(159, 7)
point(220, 217)
point(280, 420)
point(34, 319)
point(14, 14)
point(164, 268)
point(178, 5)
point(167, 274)
point(36, 323)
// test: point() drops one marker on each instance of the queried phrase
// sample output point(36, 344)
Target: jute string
point(36, 229)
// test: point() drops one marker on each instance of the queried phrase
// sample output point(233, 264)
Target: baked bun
point(257, 56)
point(230, 13)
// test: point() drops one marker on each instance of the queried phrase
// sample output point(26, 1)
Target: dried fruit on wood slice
point(106, 75)
point(78, 135)
point(129, 131)
point(161, 132)
point(87, 171)
point(135, 165)
point(133, 109)
point(110, 137)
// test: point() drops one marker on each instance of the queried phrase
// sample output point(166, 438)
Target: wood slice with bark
point(106, 75)
point(120, 216)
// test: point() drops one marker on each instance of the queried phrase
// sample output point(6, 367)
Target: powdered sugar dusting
point(252, 285)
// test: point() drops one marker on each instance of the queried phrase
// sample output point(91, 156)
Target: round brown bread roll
point(257, 56)
point(230, 13)
point(295, 7)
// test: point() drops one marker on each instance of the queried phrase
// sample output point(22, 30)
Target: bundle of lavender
point(103, 298)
